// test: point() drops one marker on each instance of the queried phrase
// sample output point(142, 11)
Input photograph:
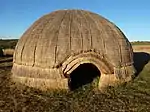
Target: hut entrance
point(84, 74)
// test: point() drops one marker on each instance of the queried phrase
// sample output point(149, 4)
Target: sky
point(131, 16)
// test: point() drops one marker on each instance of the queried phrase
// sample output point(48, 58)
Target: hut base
point(42, 84)
point(107, 80)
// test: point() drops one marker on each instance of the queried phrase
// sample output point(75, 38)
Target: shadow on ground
point(140, 60)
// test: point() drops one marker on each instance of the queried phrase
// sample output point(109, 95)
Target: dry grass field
point(141, 48)
point(131, 97)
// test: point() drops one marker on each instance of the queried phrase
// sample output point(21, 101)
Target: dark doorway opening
point(140, 60)
point(84, 74)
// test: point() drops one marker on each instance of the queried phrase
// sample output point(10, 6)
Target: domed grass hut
point(70, 48)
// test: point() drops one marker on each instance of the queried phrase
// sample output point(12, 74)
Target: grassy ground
point(142, 48)
point(131, 97)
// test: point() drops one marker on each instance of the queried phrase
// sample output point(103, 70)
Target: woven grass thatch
point(59, 42)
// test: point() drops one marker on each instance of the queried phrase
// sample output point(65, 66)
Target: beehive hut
point(69, 48)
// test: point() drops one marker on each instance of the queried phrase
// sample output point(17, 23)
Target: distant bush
point(140, 43)
point(9, 43)
point(1, 52)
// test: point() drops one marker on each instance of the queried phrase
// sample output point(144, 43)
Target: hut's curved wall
point(59, 42)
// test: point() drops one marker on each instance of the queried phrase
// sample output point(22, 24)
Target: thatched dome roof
point(56, 40)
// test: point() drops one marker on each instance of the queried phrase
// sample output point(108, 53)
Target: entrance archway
point(84, 74)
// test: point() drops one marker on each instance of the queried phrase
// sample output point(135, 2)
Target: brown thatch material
point(56, 44)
